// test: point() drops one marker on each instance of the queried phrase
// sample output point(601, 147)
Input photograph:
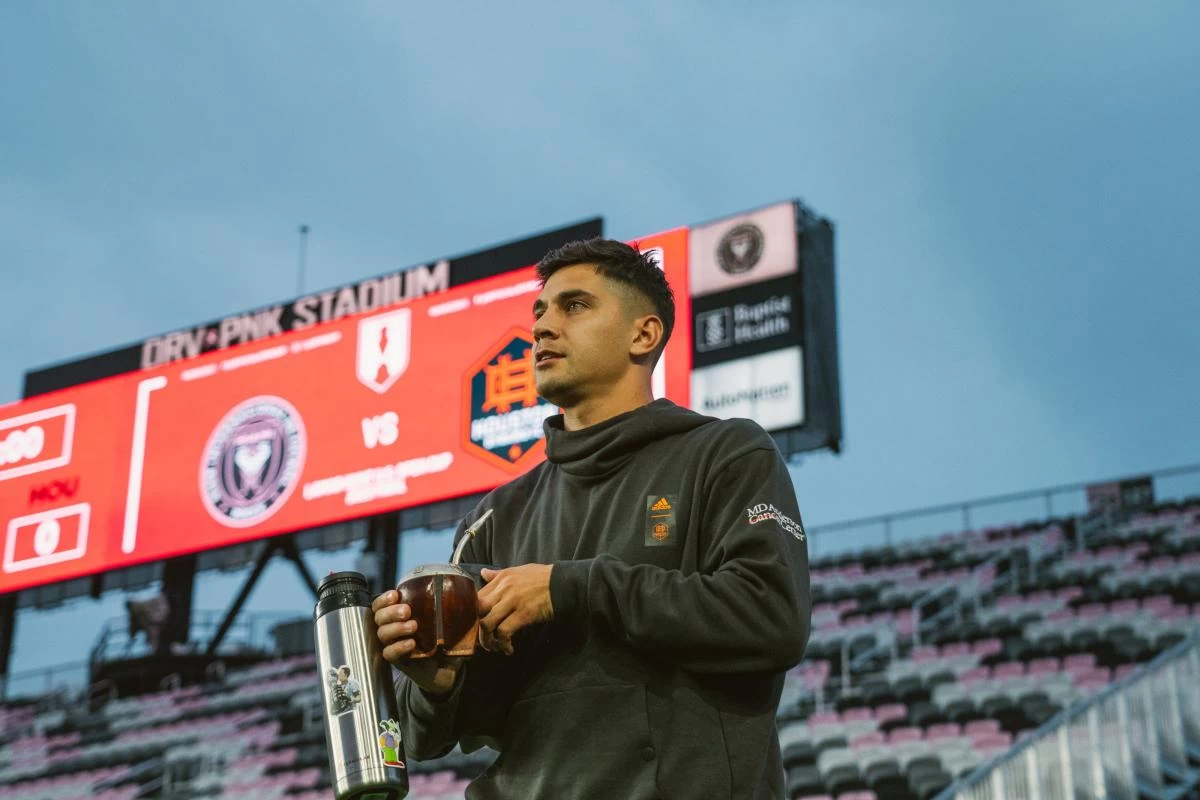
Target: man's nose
point(545, 328)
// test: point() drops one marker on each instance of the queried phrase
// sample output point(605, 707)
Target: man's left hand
point(512, 599)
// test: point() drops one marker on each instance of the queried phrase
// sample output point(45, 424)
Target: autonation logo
point(721, 401)
point(766, 388)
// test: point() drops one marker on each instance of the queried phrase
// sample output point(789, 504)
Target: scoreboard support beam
point(178, 580)
point(288, 547)
point(8, 622)
point(269, 548)
point(285, 546)
point(389, 551)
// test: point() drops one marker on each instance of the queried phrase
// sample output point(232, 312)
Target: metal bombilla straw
point(470, 534)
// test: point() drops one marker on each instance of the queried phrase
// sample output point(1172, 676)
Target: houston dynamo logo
point(504, 413)
point(252, 461)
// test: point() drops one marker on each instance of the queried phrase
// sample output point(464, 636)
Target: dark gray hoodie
point(681, 597)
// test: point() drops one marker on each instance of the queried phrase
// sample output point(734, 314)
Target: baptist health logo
point(384, 343)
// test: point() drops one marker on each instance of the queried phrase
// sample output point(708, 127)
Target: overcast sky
point(1015, 189)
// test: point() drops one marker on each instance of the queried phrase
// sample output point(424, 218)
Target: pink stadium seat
point(823, 718)
point(986, 647)
point(864, 795)
point(955, 649)
point(1157, 603)
point(1069, 593)
point(981, 726)
point(872, 739)
point(856, 714)
point(1011, 669)
point(1122, 607)
point(974, 675)
point(1093, 676)
point(899, 735)
point(1042, 670)
point(1085, 660)
point(891, 712)
point(990, 741)
point(924, 654)
point(944, 730)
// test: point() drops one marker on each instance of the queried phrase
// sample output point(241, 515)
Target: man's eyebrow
point(573, 294)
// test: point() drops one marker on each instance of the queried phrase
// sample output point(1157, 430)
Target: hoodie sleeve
point(746, 609)
point(427, 724)
point(430, 725)
point(472, 713)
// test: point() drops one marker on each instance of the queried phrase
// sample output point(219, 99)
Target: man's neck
point(597, 409)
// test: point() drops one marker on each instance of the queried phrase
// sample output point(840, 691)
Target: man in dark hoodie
point(652, 585)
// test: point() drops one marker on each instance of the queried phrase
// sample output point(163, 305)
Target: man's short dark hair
point(619, 262)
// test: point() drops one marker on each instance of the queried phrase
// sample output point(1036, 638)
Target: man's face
point(583, 328)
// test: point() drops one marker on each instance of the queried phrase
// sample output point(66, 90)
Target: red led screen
point(400, 407)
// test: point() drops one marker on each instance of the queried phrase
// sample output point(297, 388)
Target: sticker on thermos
point(344, 692)
point(389, 743)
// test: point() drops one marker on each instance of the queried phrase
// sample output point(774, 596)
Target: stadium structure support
point(8, 619)
point(283, 545)
point(383, 548)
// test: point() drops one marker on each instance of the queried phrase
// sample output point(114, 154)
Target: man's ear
point(647, 335)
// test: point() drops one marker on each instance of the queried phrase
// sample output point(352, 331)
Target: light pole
point(303, 258)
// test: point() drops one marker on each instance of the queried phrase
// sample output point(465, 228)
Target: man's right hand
point(396, 629)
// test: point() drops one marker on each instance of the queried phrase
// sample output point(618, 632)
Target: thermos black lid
point(342, 590)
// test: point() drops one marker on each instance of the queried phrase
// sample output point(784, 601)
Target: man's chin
point(559, 393)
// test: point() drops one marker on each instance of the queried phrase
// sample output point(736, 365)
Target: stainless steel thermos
point(362, 731)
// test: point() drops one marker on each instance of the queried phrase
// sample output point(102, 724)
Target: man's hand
point(396, 629)
point(513, 599)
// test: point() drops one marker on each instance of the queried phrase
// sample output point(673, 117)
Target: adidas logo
point(661, 505)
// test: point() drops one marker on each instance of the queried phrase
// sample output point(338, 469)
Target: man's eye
point(574, 303)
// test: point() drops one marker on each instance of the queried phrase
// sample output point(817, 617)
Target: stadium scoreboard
point(392, 406)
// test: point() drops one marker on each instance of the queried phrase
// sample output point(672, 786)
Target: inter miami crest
point(503, 419)
point(252, 461)
point(740, 248)
point(384, 341)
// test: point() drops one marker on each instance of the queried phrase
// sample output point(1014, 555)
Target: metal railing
point(1031, 506)
point(1132, 739)
point(249, 632)
point(44, 681)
